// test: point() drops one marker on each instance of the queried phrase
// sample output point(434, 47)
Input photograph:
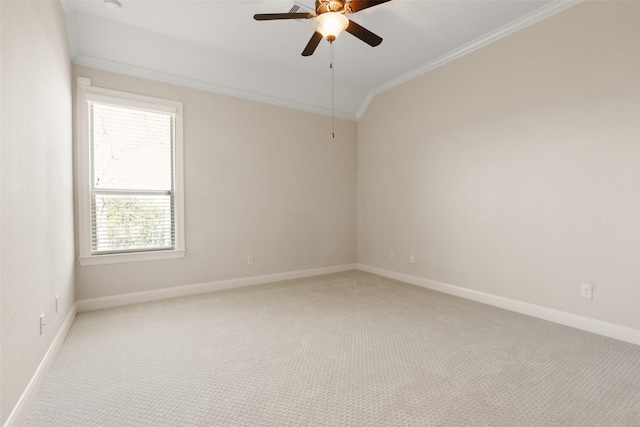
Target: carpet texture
point(346, 349)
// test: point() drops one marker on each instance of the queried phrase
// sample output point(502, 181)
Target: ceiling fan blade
point(272, 16)
point(355, 5)
point(363, 34)
point(316, 38)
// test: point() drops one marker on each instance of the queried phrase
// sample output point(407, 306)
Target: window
point(130, 177)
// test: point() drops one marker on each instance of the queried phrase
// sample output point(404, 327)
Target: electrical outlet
point(586, 290)
point(412, 259)
point(41, 323)
point(250, 260)
point(391, 255)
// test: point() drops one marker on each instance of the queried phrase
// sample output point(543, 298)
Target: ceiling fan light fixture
point(330, 25)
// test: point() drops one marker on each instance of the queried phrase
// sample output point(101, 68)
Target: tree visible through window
point(129, 171)
point(132, 179)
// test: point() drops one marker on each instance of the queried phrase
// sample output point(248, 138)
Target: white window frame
point(85, 93)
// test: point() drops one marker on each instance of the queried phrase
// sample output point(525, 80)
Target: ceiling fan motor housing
point(324, 6)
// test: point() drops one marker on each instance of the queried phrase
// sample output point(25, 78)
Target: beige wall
point(260, 180)
point(515, 170)
point(36, 198)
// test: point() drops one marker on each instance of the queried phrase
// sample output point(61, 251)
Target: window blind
point(132, 179)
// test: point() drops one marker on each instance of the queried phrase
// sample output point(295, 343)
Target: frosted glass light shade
point(330, 24)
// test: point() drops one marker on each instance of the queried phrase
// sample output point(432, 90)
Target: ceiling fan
point(330, 20)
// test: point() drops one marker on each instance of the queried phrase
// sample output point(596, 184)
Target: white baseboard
point(599, 327)
point(200, 288)
point(20, 412)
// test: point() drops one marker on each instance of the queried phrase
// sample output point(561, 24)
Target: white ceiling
point(216, 45)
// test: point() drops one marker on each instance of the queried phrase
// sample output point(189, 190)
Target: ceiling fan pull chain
point(333, 118)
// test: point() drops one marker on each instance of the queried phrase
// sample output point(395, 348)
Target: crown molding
point(502, 32)
point(116, 67)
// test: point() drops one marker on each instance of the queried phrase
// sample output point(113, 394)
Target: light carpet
point(345, 349)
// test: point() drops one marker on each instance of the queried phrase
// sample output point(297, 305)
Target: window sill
point(130, 257)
